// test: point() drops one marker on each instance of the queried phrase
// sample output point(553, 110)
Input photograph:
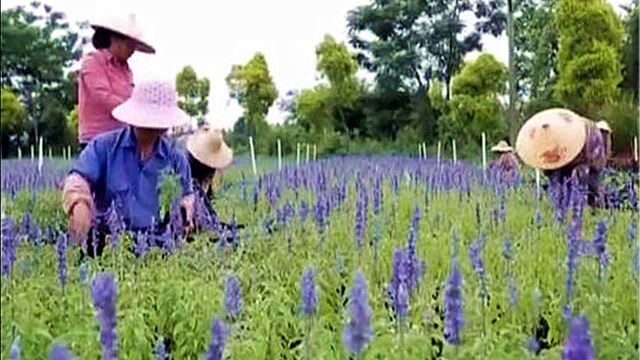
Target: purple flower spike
point(61, 250)
point(453, 316)
point(358, 332)
point(219, 334)
point(232, 297)
point(309, 293)
point(103, 292)
point(60, 352)
point(579, 345)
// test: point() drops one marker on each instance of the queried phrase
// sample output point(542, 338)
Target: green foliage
point(37, 71)
point(252, 86)
point(72, 125)
point(312, 109)
point(484, 76)
point(169, 191)
point(631, 51)
point(13, 119)
point(623, 117)
point(193, 93)
point(436, 96)
point(588, 59)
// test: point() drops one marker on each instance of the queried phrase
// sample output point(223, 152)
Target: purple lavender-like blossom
point(83, 271)
point(453, 315)
point(160, 351)
point(377, 194)
point(256, 194)
point(533, 345)
point(15, 351)
point(168, 241)
point(633, 198)
point(309, 292)
point(141, 246)
point(361, 217)
point(303, 211)
point(103, 293)
point(60, 352)
point(579, 345)
point(414, 265)
point(9, 245)
point(320, 211)
point(399, 278)
point(475, 254)
point(538, 218)
point(358, 331)
point(513, 292)
point(61, 251)
point(232, 297)
point(502, 209)
point(29, 229)
point(219, 334)
point(507, 251)
point(115, 223)
point(599, 244)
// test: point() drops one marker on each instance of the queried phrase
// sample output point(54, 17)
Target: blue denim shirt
point(115, 172)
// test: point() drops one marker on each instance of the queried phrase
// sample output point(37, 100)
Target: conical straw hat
point(208, 147)
point(603, 125)
point(551, 139)
point(127, 26)
point(502, 147)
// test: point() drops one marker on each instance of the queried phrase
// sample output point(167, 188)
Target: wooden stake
point(455, 154)
point(253, 156)
point(484, 151)
point(279, 155)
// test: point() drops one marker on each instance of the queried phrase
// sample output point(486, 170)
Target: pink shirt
point(103, 84)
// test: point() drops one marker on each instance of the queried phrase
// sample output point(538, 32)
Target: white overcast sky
point(212, 35)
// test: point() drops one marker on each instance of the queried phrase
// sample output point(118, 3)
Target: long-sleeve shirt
point(111, 169)
point(103, 84)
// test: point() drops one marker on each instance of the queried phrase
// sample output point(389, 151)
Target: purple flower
point(399, 279)
point(309, 292)
point(533, 345)
point(232, 297)
point(142, 244)
point(579, 345)
point(358, 331)
point(115, 223)
point(475, 254)
point(303, 211)
point(15, 351)
point(513, 294)
point(168, 241)
point(103, 292)
point(61, 250)
point(361, 215)
point(506, 250)
point(29, 229)
point(633, 199)
point(256, 194)
point(219, 334)
point(60, 352)
point(377, 194)
point(9, 245)
point(538, 218)
point(502, 211)
point(453, 316)
point(414, 264)
point(574, 236)
point(82, 272)
point(160, 351)
point(599, 244)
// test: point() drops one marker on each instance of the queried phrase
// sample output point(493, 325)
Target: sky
point(213, 35)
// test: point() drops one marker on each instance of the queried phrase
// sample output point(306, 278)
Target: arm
point(94, 78)
point(181, 166)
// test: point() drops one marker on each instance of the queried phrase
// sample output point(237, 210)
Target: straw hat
point(502, 147)
point(208, 147)
point(551, 139)
point(603, 125)
point(127, 26)
point(152, 105)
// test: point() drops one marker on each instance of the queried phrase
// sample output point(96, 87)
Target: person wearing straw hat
point(506, 163)
point(105, 79)
point(564, 145)
point(124, 167)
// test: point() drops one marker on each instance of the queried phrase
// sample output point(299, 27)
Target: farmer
point(124, 166)
point(506, 163)
point(564, 145)
point(105, 79)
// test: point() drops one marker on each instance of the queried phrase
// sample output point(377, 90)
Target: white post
point(40, 144)
point(279, 155)
point(253, 156)
point(315, 152)
point(298, 154)
point(308, 152)
point(69, 152)
point(635, 148)
point(538, 183)
point(455, 154)
point(439, 151)
point(484, 151)
point(33, 153)
point(419, 151)
point(50, 153)
point(19, 153)
point(424, 150)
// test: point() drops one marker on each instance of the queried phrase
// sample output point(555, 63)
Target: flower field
point(352, 257)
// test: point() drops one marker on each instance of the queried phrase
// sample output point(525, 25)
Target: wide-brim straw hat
point(551, 138)
point(152, 105)
point(502, 146)
point(603, 125)
point(208, 147)
point(127, 26)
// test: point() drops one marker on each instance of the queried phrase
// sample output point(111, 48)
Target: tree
point(13, 119)
point(38, 71)
point(631, 50)
point(588, 58)
point(412, 39)
point(252, 86)
point(338, 66)
point(193, 93)
point(313, 109)
point(474, 107)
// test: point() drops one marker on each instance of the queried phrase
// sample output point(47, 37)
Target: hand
point(79, 222)
point(187, 205)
